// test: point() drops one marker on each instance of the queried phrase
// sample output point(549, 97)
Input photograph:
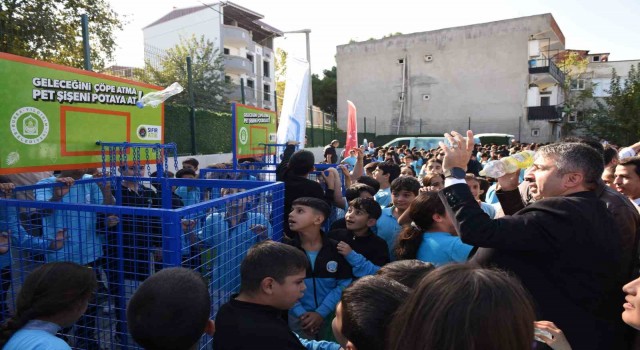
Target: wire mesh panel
point(129, 232)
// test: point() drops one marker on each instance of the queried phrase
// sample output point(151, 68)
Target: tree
point(325, 91)
point(577, 102)
point(618, 116)
point(51, 30)
point(207, 69)
point(281, 76)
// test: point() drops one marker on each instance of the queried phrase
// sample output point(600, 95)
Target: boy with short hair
point(328, 272)
point(385, 173)
point(271, 281)
point(403, 191)
point(354, 191)
point(190, 163)
point(170, 310)
point(189, 194)
point(365, 251)
point(474, 186)
point(358, 325)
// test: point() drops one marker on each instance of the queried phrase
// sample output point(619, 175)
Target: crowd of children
point(380, 267)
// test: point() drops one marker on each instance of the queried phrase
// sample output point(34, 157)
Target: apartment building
point(492, 77)
point(239, 34)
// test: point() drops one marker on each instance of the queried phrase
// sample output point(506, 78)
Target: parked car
point(427, 142)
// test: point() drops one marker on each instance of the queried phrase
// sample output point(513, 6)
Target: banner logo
point(29, 125)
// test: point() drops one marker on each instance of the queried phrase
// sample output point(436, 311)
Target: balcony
point(235, 36)
point(238, 65)
point(546, 66)
point(549, 113)
point(236, 94)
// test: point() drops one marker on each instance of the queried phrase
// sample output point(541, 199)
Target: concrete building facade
point(493, 77)
point(238, 33)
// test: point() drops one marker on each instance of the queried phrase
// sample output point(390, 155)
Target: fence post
point(242, 90)
point(313, 144)
point(365, 125)
point(324, 142)
point(171, 239)
point(192, 109)
point(85, 41)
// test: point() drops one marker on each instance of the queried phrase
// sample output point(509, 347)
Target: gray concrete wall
point(478, 72)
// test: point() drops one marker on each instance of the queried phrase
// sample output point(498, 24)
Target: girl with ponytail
point(431, 237)
point(53, 296)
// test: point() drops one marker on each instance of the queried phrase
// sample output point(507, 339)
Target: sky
point(595, 25)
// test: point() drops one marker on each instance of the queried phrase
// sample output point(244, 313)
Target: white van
point(427, 142)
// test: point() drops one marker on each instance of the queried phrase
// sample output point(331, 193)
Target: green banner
point(51, 116)
point(254, 128)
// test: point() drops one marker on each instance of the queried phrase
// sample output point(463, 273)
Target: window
point(595, 58)
point(250, 57)
point(227, 79)
point(400, 60)
point(226, 51)
point(266, 71)
point(251, 84)
point(535, 132)
point(267, 92)
point(545, 101)
point(577, 84)
point(573, 117)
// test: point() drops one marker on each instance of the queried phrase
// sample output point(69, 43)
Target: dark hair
point(368, 306)
point(369, 205)
point(484, 186)
point(169, 310)
point(356, 189)
point(610, 154)
point(421, 213)
point(406, 183)
point(4, 179)
point(368, 180)
point(461, 306)
point(413, 172)
point(301, 162)
point(50, 290)
point(191, 161)
point(635, 160)
point(270, 259)
point(314, 203)
point(426, 180)
point(182, 172)
point(408, 272)
point(389, 168)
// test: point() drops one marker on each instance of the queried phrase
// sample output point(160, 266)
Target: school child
point(362, 249)
point(170, 310)
point(189, 194)
point(408, 272)
point(328, 272)
point(474, 186)
point(403, 191)
point(231, 233)
point(293, 171)
point(12, 234)
point(53, 296)
point(432, 236)
point(272, 280)
point(358, 325)
point(357, 190)
point(385, 174)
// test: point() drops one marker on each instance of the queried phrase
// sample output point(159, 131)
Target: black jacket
point(247, 326)
point(372, 247)
point(565, 250)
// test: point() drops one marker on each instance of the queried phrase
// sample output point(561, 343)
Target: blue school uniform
point(189, 195)
point(489, 209)
point(83, 245)
point(9, 221)
point(441, 247)
point(231, 245)
point(327, 275)
point(37, 335)
point(388, 229)
point(383, 197)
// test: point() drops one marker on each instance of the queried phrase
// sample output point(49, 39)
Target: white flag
point(293, 116)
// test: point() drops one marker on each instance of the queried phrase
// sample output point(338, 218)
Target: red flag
point(352, 128)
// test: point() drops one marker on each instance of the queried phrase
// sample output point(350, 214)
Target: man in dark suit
point(565, 247)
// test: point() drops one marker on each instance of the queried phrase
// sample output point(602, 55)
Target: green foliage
point(325, 91)
point(213, 129)
point(618, 116)
point(281, 76)
point(209, 87)
point(49, 30)
point(576, 102)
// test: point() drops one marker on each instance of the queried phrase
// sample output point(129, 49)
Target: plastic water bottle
point(154, 99)
point(508, 165)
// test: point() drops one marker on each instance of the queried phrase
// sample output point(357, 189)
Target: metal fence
point(144, 231)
